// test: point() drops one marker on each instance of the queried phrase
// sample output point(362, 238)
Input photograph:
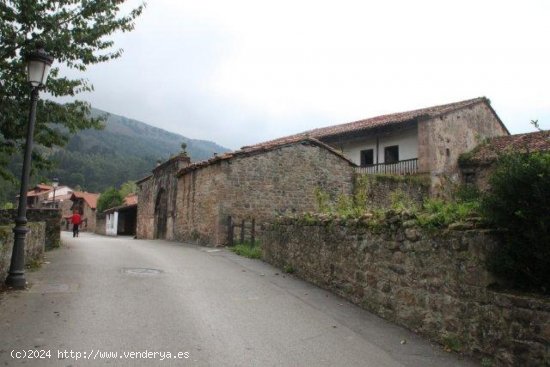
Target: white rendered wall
point(407, 140)
point(111, 224)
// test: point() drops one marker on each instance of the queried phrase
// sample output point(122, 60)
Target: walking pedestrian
point(76, 220)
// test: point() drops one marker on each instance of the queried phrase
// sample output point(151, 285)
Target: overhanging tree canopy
point(75, 33)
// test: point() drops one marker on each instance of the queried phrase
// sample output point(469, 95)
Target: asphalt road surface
point(126, 302)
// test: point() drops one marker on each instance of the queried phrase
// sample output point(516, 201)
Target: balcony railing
point(406, 167)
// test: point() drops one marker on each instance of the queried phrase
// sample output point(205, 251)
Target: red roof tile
point(522, 143)
point(320, 133)
point(386, 120)
point(131, 199)
point(89, 198)
point(44, 187)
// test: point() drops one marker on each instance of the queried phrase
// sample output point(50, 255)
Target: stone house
point(255, 182)
point(427, 140)
point(185, 201)
point(85, 203)
point(478, 164)
point(37, 195)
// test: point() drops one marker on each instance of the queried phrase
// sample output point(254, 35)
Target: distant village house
point(85, 204)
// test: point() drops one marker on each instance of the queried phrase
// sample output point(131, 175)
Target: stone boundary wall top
point(34, 245)
point(52, 218)
point(434, 283)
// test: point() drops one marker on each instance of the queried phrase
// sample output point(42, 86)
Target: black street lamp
point(38, 68)
point(55, 183)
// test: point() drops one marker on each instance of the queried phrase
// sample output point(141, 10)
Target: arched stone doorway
point(161, 214)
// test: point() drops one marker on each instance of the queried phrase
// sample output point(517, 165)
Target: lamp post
point(38, 68)
point(55, 183)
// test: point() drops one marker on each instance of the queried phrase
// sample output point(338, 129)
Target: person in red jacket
point(75, 220)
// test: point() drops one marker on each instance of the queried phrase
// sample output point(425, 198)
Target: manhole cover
point(141, 271)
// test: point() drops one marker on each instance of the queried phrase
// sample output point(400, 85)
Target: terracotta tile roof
point(131, 199)
point(522, 143)
point(44, 187)
point(261, 148)
point(315, 135)
point(89, 198)
point(36, 193)
point(387, 120)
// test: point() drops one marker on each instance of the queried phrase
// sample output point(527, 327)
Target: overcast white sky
point(240, 72)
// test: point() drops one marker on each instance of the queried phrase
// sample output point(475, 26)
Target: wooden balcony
point(406, 167)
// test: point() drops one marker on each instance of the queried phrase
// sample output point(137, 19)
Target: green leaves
point(519, 203)
point(75, 33)
point(110, 198)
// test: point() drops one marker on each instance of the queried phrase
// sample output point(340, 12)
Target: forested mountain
point(125, 149)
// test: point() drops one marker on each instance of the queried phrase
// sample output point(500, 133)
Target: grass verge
point(248, 250)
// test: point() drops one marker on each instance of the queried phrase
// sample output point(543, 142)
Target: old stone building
point(255, 182)
point(427, 141)
point(157, 199)
point(185, 201)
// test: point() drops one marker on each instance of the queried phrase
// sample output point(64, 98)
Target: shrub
point(439, 213)
point(519, 203)
point(109, 199)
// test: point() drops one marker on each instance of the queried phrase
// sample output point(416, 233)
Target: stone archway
point(161, 214)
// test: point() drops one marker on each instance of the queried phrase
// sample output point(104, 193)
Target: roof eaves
point(143, 179)
point(259, 149)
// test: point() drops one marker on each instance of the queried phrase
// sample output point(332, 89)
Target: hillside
point(125, 149)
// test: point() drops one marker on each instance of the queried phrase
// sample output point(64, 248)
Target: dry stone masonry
point(434, 283)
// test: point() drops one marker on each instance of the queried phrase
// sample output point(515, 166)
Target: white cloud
point(243, 71)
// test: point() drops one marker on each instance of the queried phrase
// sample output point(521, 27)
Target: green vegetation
point(112, 197)
point(519, 203)
point(34, 265)
point(431, 214)
point(452, 343)
point(288, 269)
point(95, 160)
point(437, 213)
point(109, 199)
point(127, 188)
point(76, 34)
point(246, 249)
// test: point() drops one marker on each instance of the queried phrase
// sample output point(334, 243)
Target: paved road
point(217, 308)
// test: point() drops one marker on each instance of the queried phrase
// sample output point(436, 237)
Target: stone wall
point(157, 200)
point(100, 222)
point(34, 245)
point(52, 218)
point(259, 186)
point(443, 139)
point(435, 284)
point(382, 191)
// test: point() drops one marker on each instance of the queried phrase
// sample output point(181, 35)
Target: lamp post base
point(16, 280)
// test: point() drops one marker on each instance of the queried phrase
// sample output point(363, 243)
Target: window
point(391, 154)
point(367, 157)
